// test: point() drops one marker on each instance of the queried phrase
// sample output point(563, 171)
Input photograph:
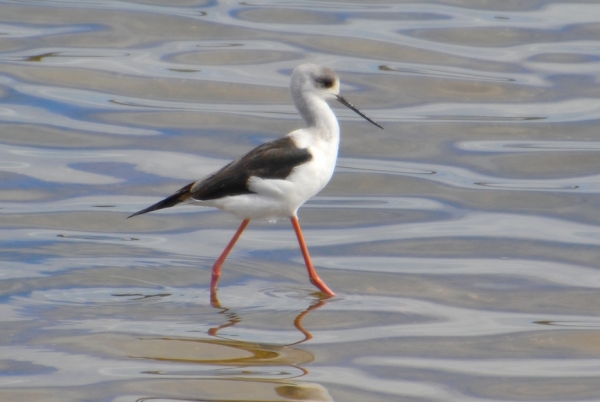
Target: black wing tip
point(136, 214)
point(146, 210)
point(168, 202)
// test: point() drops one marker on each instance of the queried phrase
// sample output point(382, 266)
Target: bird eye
point(325, 82)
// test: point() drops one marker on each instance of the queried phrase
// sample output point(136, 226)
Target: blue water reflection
point(462, 240)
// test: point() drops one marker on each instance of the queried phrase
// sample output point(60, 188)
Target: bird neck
point(318, 115)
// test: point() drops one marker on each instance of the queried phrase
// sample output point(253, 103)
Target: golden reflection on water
point(243, 361)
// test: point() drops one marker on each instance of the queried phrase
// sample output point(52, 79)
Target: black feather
point(273, 160)
point(168, 202)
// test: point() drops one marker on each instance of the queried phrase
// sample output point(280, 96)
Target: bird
point(274, 179)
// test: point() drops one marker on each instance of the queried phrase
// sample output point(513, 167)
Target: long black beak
point(351, 107)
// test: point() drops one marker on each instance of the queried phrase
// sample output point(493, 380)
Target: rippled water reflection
point(462, 240)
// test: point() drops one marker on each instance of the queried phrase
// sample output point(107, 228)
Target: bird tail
point(180, 196)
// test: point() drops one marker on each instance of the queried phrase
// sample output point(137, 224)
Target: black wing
point(273, 160)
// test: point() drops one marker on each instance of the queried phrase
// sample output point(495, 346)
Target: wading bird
point(275, 179)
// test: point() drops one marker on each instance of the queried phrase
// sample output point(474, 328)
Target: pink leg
point(312, 274)
point(216, 270)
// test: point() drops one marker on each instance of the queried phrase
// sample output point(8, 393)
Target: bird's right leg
point(216, 270)
point(312, 273)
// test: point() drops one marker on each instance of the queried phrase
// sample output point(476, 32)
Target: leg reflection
point(233, 318)
point(298, 321)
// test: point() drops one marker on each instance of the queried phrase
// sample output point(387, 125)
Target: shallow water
point(462, 241)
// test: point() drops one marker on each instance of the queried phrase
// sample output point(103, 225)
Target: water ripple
point(523, 368)
point(489, 144)
point(465, 178)
point(546, 271)
point(528, 146)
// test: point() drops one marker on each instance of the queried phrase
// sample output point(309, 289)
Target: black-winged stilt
point(276, 178)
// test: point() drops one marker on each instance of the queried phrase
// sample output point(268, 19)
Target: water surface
point(462, 241)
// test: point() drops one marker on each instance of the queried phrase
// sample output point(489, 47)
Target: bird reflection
point(233, 318)
point(234, 369)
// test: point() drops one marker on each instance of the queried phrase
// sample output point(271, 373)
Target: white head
point(314, 80)
point(310, 83)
